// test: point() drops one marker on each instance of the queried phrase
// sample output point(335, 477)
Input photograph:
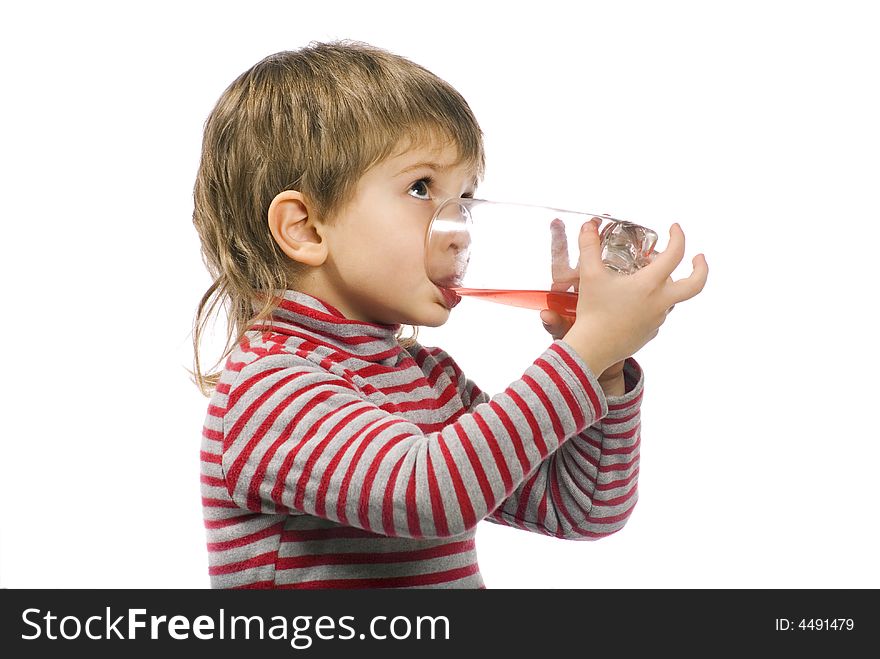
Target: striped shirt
point(332, 457)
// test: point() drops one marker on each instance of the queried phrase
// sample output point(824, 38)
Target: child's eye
point(421, 187)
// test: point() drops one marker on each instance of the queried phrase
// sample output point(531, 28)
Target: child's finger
point(685, 289)
point(558, 248)
point(590, 247)
point(664, 263)
point(556, 324)
point(563, 275)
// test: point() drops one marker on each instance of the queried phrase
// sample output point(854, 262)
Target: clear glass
point(520, 254)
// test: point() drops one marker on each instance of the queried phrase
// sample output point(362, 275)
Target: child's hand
point(618, 314)
point(558, 325)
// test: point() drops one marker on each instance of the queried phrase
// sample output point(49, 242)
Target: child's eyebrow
point(422, 165)
point(436, 167)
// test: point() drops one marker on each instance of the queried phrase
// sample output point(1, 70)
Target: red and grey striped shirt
point(332, 457)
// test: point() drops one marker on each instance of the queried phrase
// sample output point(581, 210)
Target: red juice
point(562, 303)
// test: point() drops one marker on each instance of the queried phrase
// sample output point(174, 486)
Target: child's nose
point(457, 240)
point(448, 253)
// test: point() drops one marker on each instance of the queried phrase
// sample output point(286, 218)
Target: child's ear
point(295, 229)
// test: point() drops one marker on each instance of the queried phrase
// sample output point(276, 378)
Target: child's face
point(375, 269)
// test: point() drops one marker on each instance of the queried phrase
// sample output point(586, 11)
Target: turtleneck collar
point(305, 316)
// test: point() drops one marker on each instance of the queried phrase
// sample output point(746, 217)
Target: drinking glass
point(520, 254)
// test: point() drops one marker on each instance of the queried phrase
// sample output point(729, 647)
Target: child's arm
point(588, 488)
point(292, 437)
point(616, 316)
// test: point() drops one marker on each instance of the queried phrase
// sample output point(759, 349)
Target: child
point(335, 453)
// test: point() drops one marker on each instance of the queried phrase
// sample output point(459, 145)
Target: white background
point(753, 124)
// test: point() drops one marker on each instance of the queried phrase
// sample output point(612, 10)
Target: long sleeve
point(297, 438)
point(588, 488)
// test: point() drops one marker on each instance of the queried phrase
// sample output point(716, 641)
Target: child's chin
point(436, 316)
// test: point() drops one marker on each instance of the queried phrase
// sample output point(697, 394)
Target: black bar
point(523, 622)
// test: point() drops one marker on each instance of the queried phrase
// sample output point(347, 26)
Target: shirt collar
point(309, 318)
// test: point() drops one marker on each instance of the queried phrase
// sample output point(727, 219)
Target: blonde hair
point(313, 120)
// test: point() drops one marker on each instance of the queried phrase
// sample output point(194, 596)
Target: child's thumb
point(590, 246)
